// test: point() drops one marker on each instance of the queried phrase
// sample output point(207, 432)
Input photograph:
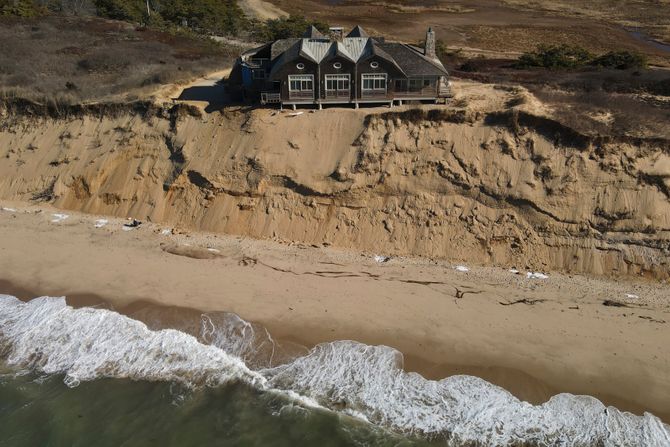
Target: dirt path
point(206, 89)
point(261, 10)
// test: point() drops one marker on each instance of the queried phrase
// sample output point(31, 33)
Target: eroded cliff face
point(505, 188)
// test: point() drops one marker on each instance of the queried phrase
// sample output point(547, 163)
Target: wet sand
point(534, 337)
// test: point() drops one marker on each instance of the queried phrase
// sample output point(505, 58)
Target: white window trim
point(337, 65)
point(300, 78)
point(373, 76)
point(338, 77)
point(374, 64)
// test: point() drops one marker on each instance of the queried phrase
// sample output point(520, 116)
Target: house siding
point(290, 68)
point(327, 68)
point(384, 67)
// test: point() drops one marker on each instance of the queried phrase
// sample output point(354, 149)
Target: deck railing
point(270, 97)
point(303, 94)
point(258, 62)
point(374, 94)
point(426, 92)
point(338, 94)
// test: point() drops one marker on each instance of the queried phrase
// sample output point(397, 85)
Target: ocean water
point(91, 376)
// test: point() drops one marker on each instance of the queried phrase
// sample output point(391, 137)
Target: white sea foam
point(366, 381)
point(464, 409)
point(84, 344)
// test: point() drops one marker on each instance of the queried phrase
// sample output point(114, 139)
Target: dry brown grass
point(74, 59)
point(651, 15)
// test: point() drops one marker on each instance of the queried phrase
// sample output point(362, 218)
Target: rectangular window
point(259, 73)
point(374, 82)
point(300, 83)
point(337, 82)
point(401, 85)
point(415, 85)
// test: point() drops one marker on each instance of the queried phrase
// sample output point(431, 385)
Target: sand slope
point(491, 184)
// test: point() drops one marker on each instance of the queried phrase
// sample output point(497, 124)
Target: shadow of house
point(215, 95)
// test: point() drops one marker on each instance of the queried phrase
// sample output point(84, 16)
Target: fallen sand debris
point(527, 301)
point(536, 275)
point(131, 225)
point(57, 218)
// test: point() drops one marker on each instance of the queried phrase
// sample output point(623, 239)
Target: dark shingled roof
point(357, 32)
point(313, 33)
point(411, 61)
point(281, 45)
point(291, 54)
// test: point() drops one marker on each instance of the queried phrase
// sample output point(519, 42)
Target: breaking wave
point(49, 336)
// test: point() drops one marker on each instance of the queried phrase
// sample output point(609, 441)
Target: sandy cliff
point(491, 183)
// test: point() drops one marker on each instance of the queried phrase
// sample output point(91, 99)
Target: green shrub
point(555, 57)
point(621, 60)
point(215, 16)
point(20, 8)
point(566, 56)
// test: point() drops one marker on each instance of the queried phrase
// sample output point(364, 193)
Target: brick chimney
point(429, 49)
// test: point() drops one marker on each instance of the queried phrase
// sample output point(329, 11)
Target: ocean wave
point(49, 336)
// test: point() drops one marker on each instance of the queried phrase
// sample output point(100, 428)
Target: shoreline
point(569, 342)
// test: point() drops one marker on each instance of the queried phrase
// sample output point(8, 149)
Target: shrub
point(216, 16)
point(21, 8)
point(565, 56)
point(621, 60)
point(555, 57)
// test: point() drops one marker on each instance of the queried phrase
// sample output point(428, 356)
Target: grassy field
point(504, 27)
point(652, 16)
point(75, 59)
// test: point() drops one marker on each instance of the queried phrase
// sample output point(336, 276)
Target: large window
point(337, 82)
point(374, 82)
point(301, 83)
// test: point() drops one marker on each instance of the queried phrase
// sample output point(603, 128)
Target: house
point(338, 69)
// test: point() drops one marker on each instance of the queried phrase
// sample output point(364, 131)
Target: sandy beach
point(535, 336)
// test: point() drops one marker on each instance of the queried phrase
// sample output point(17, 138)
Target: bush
point(216, 16)
point(621, 60)
point(565, 56)
point(21, 8)
point(285, 28)
point(555, 57)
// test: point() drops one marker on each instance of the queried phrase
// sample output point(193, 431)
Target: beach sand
point(534, 337)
